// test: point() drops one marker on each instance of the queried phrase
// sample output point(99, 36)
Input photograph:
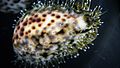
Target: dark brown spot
point(33, 27)
point(22, 29)
point(58, 16)
point(29, 31)
point(16, 37)
point(68, 17)
point(26, 33)
point(63, 20)
point(30, 18)
point(44, 15)
point(22, 20)
point(33, 20)
point(65, 15)
point(38, 20)
point(25, 23)
point(43, 20)
point(18, 27)
point(21, 33)
point(66, 25)
point(39, 25)
point(36, 15)
point(52, 21)
point(49, 24)
point(53, 15)
point(29, 22)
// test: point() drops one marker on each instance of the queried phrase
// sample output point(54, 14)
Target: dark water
point(104, 54)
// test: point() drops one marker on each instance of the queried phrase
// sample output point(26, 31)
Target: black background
point(104, 54)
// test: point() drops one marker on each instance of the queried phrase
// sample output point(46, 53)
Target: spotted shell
point(51, 31)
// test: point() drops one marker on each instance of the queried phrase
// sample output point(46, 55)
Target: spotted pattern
point(54, 30)
point(47, 29)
